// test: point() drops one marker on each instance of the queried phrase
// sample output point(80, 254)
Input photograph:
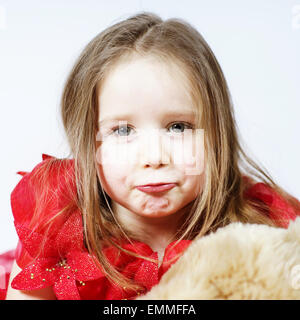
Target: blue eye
point(121, 130)
point(181, 125)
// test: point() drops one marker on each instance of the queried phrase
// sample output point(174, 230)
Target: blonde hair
point(222, 200)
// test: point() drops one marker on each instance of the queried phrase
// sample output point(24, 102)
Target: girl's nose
point(154, 151)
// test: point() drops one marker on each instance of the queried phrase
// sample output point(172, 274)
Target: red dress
point(64, 262)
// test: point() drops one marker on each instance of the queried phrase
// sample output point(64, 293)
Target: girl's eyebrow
point(179, 114)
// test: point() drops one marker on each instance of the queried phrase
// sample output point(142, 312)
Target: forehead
point(144, 85)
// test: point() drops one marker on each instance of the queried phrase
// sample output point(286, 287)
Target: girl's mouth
point(156, 188)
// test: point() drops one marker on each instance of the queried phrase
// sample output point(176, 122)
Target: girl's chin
point(154, 214)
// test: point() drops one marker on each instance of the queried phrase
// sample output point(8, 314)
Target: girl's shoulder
point(51, 249)
point(281, 208)
point(42, 202)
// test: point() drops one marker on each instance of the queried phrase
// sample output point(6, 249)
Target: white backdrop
point(256, 42)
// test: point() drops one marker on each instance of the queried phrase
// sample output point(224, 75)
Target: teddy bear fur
point(239, 261)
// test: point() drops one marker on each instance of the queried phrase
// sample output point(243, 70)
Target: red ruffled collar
point(66, 265)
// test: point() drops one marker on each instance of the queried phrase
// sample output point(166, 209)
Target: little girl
point(156, 163)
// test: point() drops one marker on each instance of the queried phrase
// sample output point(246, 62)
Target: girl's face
point(145, 136)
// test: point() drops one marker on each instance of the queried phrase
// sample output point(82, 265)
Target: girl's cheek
point(112, 155)
point(114, 170)
point(113, 179)
point(189, 153)
point(122, 156)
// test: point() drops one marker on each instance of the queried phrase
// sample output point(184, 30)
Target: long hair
point(229, 171)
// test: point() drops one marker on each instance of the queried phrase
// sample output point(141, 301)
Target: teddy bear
point(240, 261)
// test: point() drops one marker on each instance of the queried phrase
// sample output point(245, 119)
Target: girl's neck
point(156, 232)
